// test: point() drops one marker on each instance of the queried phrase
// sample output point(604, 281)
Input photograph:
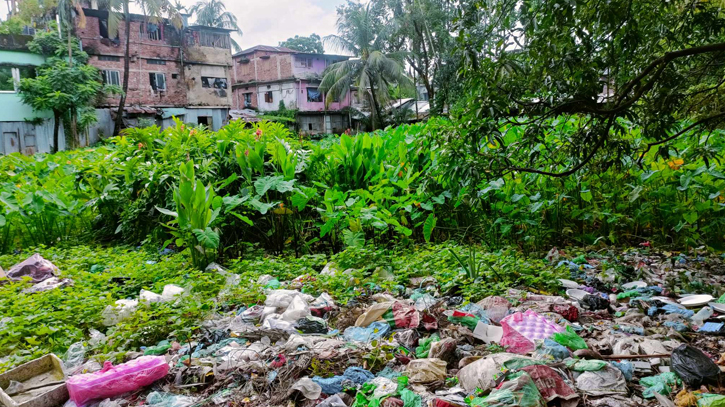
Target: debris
point(663, 383)
point(309, 389)
point(426, 370)
point(35, 267)
point(693, 366)
point(38, 383)
point(112, 380)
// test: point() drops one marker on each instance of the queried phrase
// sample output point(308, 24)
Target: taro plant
point(196, 209)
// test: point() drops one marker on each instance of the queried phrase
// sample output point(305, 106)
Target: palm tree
point(118, 10)
point(213, 13)
point(363, 33)
point(65, 13)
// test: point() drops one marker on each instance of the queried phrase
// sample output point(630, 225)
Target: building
point(23, 129)
point(266, 77)
point(183, 73)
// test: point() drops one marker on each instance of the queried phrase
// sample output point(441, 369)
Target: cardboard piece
point(488, 333)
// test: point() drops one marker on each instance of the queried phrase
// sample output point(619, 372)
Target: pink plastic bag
point(113, 381)
point(35, 267)
point(520, 330)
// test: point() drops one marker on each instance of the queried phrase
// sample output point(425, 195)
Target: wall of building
point(283, 91)
point(13, 109)
point(198, 95)
point(301, 70)
point(261, 66)
point(306, 106)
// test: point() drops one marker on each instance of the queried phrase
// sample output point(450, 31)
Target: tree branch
point(679, 133)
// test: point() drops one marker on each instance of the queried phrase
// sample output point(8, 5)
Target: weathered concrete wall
point(198, 95)
point(306, 106)
point(263, 66)
point(284, 91)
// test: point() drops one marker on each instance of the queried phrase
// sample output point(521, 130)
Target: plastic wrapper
point(112, 381)
point(496, 308)
point(521, 329)
point(283, 298)
point(483, 373)
point(148, 297)
point(426, 370)
point(333, 385)
point(570, 339)
point(693, 366)
point(123, 309)
point(376, 330)
point(160, 399)
point(711, 400)
point(308, 388)
point(334, 401)
point(604, 382)
point(424, 346)
point(408, 338)
point(322, 305)
point(74, 357)
point(34, 267)
point(396, 313)
point(296, 310)
point(520, 391)
point(252, 315)
point(311, 325)
point(550, 384)
point(384, 387)
point(664, 383)
point(462, 318)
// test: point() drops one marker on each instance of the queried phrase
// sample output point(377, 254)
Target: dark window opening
point(158, 81)
point(111, 77)
point(174, 76)
point(151, 32)
point(314, 95)
point(247, 100)
point(309, 125)
point(109, 58)
point(205, 120)
point(156, 62)
point(268, 97)
point(216, 83)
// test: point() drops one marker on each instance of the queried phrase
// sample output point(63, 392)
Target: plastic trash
point(424, 345)
point(252, 315)
point(334, 401)
point(627, 369)
point(550, 384)
point(711, 400)
point(308, 388)
point(376, 330)
point(496, 308)
point(333, 385)
point(671, 309)
point(703, 315)
point(424, 302)
point(444, 350)
point(112, 380)
point(74, 357)
point(519, 391)
point(34, 267)
point(311, 325)
point(148, 297)
point(384, 387)
point(409, 338)
point(550, 350)
point(488, 333)
point(586, 365)
point(282, 325)
point(604, 382)
point(595, 302)
point(322, 305)
point(664, 384)
point(283, 298)
point(171, 292)
point(97, 338)
point(463, 318)
point(521, 329)
point(483, 373)
point(570, 339)
point(123, 309)
point(693, 366)
point(49, 284)
point(160, 399)
point(426, 370)
point(159, 349)
point(296, 310)
point(712, 328)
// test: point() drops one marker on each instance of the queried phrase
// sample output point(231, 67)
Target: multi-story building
point(266, 77)
point(23, 129)
point(183, 73)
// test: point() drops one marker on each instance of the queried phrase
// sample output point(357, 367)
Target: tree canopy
point(311, 44)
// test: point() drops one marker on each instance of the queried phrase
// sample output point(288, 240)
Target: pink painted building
point(265, 77)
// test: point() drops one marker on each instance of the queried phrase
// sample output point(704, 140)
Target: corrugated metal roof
point(267, 48)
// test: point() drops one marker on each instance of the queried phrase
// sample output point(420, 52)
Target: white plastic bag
point(148, 297)
point(426, 370)
point(123, 309)
point(297, 309)
point(171, 292)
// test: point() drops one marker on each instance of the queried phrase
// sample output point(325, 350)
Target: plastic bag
point(158, 350)
point(549, 383)
point(462, 318)
point(693, 366)
point(397, 314)
point(308, 388)
point(334, 401)
point(550, 350)
point(252, 315)
point(519, 391)
point(49, 284)
point(322, 305)
point(148, 297)
point(711, 400)
point(35, 267)
point(97, 338)
point(384, 387)
point(74, 357)
point(627, 369)
point(123, 309)
point(333, 385)
point(171, 292)
point(159, 399)
point(496, 308)
point(664, 384)
point(376, 330)
point(483, 372)
point(570, 339)
point(297, 310)
point(311, 325)
point(608, 381)
point(283, 298)
point(426, 370)
point(520, 330)
point(424, 346)
point(112, 380)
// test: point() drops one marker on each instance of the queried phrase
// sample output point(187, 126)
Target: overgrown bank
point(265, 187)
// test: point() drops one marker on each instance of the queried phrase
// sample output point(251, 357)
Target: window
point(111, 77)
point(303, 62)
point(156, 62)
point(103, 28)
point(268, 97)
point(213, 40)
point(248, 99)
point(158, 81)
point(314, 95)
point(216, 83)
point(151, 32)
point(174, 76)
point(108, 58)
point(10, 76)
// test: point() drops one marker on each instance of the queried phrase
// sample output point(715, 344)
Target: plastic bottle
point(702, 316)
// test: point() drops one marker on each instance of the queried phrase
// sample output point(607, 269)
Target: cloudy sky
point(268, 22)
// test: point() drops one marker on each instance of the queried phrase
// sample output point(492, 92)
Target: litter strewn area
point(633, 328)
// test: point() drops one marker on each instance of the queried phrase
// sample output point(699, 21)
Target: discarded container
point(426, 370)
point(42, 380)
point(521, 329)
point(112, 380)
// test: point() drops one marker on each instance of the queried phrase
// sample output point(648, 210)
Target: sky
point(267, 22)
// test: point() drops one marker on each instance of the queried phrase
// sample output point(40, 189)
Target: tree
point(364, 33)
point(423, 28)
point(534, 64)
point(118, 10)
point(311, 44)
point(68, 89)
point(213, 13)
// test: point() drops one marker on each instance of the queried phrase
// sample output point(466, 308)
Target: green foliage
point(311, 44)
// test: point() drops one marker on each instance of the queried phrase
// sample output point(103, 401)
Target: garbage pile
point(623, 331)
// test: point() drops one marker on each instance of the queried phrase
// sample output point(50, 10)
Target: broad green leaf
point(690, 217)
point(167, 212)
point(207, 238)
point(428, 226)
